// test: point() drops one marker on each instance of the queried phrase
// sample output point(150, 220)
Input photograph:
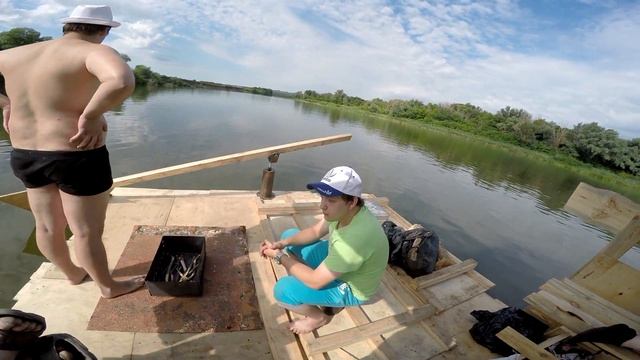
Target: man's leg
point(294, 295)
point(86, 215)
point(47, 210)
point(311, 254)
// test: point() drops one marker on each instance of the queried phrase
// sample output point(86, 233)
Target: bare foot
point(123, 287)
point(77, 277)
point(308, 324)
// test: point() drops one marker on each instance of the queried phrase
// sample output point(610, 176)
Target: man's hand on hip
point(91, 133)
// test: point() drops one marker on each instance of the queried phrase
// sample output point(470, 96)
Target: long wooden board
point(19, 198)
point(602, 207)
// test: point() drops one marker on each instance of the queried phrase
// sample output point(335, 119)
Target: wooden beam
point(276, 208)
point(602, 207)
point(282, 342)
point(19, 199)
point(609, 255)
point(279, 272)
point(363, 332)
point(546, 307)
point(591, 296)
point(524, 346)
point(446, 273)
point(592, 304)
point(380, 348)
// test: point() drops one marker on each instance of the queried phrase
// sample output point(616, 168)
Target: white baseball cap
point(338, 181)
point(91, 14)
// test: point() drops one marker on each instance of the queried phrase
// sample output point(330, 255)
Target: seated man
point(345, 270)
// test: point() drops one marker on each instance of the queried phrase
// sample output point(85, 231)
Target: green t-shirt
point(360, 252)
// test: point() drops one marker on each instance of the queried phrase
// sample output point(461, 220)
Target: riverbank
point(623, 183)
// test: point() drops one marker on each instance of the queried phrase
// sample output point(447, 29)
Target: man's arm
point(302, 237)
point(116, 84)
point(6, 111)
point(116, 81)
point(306, 236)
point(315, 279)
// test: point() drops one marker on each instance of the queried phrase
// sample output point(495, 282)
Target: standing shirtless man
point(58, 91)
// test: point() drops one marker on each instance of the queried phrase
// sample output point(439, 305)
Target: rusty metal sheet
point(228, 302)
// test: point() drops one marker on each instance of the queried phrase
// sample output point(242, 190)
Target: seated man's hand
point(269, 249)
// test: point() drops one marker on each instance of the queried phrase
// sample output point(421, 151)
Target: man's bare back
point(58, 91)
point(50, 85)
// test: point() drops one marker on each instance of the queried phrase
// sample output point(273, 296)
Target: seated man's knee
point(284, 290)
point(288, 233)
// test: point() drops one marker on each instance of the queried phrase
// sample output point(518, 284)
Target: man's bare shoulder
point(25, 48)
point(103, 49)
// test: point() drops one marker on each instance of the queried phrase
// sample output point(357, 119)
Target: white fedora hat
point(91, 14)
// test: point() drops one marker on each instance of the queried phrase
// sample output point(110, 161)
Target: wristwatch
point(279, 256)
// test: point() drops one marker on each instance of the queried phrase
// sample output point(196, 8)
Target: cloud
point(491, 53)
point(141, 34)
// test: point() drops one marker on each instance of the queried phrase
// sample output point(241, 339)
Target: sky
point(566, 61)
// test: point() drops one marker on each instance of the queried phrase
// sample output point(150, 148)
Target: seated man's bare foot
point(123, 287)
point(78, 276)
point(308, 324)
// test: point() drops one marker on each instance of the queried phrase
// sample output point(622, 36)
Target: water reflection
point(487, 203)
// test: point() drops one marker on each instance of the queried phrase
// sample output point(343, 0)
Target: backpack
point(415, 250)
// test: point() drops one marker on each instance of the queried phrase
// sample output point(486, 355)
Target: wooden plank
point(274, 226)
point(410, 298)
point(279, 273)
point(625, 240)
point(602, 207)
point(611, 279)
point(591, 296)
point(590, 304)
point(523, 345)
point(620, 284)
point(19, 198)
point(380, 348)
point(552, 311)
point(446, 273)
point(276, 209)
point(282, 342)
point(553, 340)
point(313, 207)
point(362, 332)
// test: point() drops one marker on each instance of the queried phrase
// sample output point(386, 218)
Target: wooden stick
point(446, 273)
point(19, 199)
point(524, 346)
point(359, 333)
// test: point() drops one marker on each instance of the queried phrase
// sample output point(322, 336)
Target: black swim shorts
point(81, 173)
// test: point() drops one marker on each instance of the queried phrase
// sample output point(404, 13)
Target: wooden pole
point(19, 199)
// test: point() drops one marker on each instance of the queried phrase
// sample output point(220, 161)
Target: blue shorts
point(293, 292)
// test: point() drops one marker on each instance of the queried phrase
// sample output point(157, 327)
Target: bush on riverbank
point(588, 143)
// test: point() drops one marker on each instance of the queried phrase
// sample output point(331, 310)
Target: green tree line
point(145, 77)
point(589, 143)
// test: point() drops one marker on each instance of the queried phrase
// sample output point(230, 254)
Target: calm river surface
point(486, 203)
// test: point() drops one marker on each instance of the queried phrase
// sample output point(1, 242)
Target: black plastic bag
point(489, 324)
point(414, 250)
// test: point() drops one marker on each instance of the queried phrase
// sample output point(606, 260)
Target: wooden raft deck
point(385, 329)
